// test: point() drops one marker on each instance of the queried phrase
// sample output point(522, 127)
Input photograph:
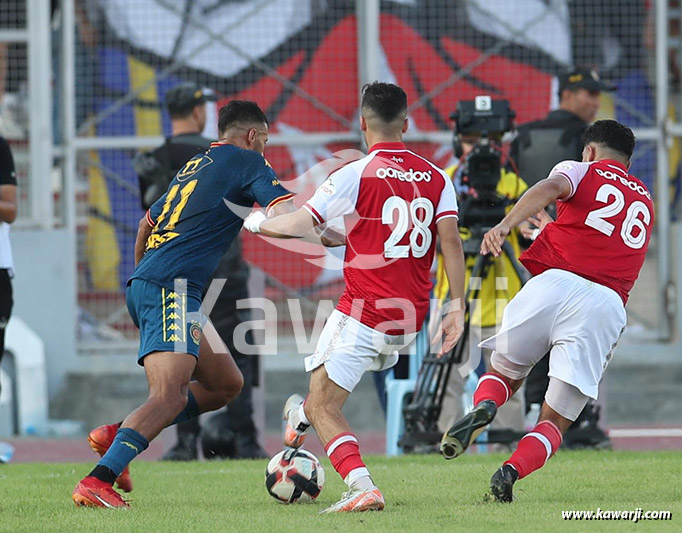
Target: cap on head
point(583, 78)
point(183, 98)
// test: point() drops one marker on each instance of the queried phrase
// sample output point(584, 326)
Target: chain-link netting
point(443, 52)
point(14, 94)
point(299, 60)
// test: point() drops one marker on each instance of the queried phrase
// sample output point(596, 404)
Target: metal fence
point(25, 104)
point(304, 61)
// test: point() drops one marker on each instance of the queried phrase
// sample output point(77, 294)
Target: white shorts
point(347, 349)
point(580, 321)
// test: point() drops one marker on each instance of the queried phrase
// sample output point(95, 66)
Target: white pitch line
point(643, 433)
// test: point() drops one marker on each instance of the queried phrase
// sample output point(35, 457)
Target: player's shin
point(493, 386)
point(127, 445)
point(190, 411)
point(535, 448)
point(344, 453)
point(493, 390)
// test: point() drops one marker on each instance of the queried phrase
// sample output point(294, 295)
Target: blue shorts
point(169, 320)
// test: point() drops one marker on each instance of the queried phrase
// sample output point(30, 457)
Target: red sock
point(344, 453)
point(492, 387)
point(535, 448)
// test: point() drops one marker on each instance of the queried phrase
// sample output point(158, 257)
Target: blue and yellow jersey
point(201, 213)
point(489, 312)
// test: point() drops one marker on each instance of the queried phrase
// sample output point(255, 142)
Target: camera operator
point(536, 149)
point(500, 281)
point(230, 433)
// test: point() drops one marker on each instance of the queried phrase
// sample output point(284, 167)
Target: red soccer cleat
point(93, 492)
point(100, 439)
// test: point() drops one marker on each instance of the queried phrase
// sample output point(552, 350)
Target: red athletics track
point(77, 450)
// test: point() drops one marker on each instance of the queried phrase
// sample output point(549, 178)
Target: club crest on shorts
point(195, 331)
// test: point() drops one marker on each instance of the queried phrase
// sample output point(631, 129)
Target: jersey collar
point(388, 146)
point(219, 143)
point(615, 163)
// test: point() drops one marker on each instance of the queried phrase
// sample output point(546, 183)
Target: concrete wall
point(45, 295)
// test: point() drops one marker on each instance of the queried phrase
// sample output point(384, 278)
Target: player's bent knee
point(170, 402)
point(565, 399)
point(233, 386)
point(510, 370)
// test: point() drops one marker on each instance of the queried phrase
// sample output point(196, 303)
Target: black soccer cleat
point(502, 483)
point(457, 439)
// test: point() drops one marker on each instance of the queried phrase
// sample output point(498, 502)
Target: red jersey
point(602, 228)
point(391, 201)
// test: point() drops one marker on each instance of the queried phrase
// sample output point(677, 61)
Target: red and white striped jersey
point(391, 201)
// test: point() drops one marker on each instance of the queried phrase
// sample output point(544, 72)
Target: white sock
point(359, 479)
point(301, 414)
point(299, 421)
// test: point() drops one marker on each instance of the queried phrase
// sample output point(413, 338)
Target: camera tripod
point(424, 406)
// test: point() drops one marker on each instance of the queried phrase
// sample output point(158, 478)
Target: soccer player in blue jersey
point(179, 243)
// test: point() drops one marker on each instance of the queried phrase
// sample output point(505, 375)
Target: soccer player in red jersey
point(394, 203)
point(583, 265)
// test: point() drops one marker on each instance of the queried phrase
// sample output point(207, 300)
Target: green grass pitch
point(423, 493)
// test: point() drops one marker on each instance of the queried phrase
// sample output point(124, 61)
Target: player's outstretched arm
point(285, 221)
point(295, 224)
point(535, 200)
point(323, 234)
point(331, 237)
point(143, 232)
point(453, 261)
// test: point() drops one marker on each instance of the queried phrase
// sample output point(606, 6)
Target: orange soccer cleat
point(100, 439)
point(358, 501)
point(92, 492)
point(294, 434)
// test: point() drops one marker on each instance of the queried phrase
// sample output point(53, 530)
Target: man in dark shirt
point(542, 144)
point(186, 105)
point(8, 213)
point(231, 433)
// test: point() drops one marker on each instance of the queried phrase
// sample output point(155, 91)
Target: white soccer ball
point(294, 476)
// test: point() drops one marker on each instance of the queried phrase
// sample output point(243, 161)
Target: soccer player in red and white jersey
point(584, 265)
point(394, 203)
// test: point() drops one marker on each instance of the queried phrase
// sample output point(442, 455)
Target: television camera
point(480, 208)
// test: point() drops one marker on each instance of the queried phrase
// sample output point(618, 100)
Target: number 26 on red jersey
point(636, 218)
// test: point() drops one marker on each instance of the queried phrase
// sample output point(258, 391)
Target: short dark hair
point(386, 100)
point(611, 134)
point(240, 112)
